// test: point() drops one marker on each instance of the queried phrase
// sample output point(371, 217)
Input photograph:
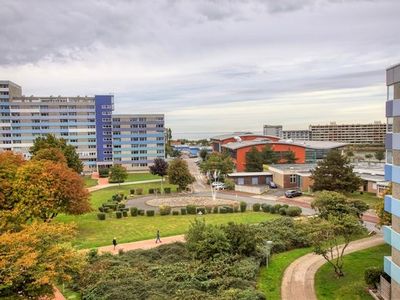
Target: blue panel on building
point(104, 108)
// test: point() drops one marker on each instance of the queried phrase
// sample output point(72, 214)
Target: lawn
point(370, 198)
point(140, 177)
point(94, 233)
point(89, 181)
point(352, 285)
point(270, 280)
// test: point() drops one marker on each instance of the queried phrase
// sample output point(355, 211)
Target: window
point(254, 180)
point(293, 178)
point(390, 92)
point(389, 127)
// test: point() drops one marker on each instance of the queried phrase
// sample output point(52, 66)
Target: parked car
point(293, 193)
point(218, 185)
point(272, 185)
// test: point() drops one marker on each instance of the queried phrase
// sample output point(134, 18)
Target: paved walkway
point(146, 244)
point(99, 187)
point(298, 279)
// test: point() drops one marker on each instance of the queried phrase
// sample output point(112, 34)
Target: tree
point(203, 154)
point(289, 157)
point(178, 173)
point(336, 204)
point(379, 155)
point(50, 141)
point(330, 237)
point(254, 161)
point(335, 173)
point(37, 257)
point(218, 161)
point(269, 156)
point(160, 168)
point(350, 154)
point(118, 174)
point(385, 218)
point(52, 154)
point(369, 156)
point(43, 189)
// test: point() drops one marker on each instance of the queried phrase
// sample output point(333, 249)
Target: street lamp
point(268, 248)
point(214, 176)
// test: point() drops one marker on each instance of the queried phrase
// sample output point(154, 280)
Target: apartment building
point(368, 134)
point(273, 130)
point(84, 122)
point(392, 173)
point(300, 135)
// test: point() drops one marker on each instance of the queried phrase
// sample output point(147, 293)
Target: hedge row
point(284, 210)
point(139, 191)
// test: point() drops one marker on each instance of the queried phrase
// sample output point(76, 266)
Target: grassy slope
point(141, 176)
point(270, 280)
point(89, 181)
point(352, 285)
point(369, 198)
point(94, 233)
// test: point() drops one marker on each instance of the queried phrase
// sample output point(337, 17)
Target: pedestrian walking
point(158, 237)
point(114, 242)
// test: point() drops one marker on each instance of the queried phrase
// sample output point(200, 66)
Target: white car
point(218, 185)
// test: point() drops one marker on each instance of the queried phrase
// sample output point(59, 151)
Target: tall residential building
point(392, 173)
point(300, 135)
point(274, 130)
point(84, 122)
point(368, 134)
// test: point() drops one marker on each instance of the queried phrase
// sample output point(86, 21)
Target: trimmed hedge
point(209, 209)
point(141, 212)
point(151, 191)
point(132, 191)
point(124, 213)
point(266, 207)
point(191, 209)
point(200, 209)
point(293, 211)
point(101, 216)
point(243, 206)
point(150, 213)
point(118, 214)
point(215, 209)
point(256, 207)
point(134, 211)
point(222, 210)
point(139, 191)
point(183, 211)
point(167, 190)
point(165, 210)
point(372, 276)
point(175, 213)
point(235, 208)
point(282, 211)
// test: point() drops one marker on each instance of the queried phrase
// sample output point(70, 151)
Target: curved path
point(298, 279)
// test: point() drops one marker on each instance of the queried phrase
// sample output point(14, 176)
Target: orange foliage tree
point(52, 154)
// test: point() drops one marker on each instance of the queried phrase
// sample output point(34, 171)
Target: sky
point(211, 66)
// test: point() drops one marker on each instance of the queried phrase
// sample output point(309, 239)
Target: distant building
point(300, 135)
point(274, 130)
point(367, 134)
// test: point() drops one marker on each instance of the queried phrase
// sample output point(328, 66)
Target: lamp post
point(215, 177)
point(268, 247)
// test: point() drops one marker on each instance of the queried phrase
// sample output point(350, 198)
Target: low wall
point(253, 189)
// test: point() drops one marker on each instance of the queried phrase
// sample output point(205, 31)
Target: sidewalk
point(103, 186)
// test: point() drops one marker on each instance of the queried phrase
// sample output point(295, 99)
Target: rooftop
point(238, 145)
point(321, 145)
point(232, 135)
point(245, 174)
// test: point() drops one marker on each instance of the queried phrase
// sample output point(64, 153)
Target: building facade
point(274, 130)
point(367, 134)
point(300, 135)
point(84, 122)
point(392, 173)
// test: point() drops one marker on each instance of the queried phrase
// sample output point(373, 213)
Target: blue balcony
point(392, 173)
point(391, 269)
point(391, 237)
point(392, 205)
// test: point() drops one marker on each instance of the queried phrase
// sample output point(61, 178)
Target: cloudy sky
point(210, 66)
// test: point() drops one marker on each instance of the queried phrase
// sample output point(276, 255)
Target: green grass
point(270, 280)
point(370, 198)
point(352, 285)
point(68, 293)
point(89, 181)
point(95, 233)
point(140, 177)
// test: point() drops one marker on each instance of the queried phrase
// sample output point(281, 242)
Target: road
point(298, 279)
point(200, 185)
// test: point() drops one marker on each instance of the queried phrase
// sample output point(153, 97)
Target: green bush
point(157, 190)
point(106, 209)
point(151, 191)
point(209, 209)
point(229, 209)
point(282, 211)
point(118, 214)
point(256, 207)
point(101, 216)
point(150, 213)
point(175, 213)
point(285, 205)
point(243, 206)
point(139, 191)
point(124, 213)
point(201, 209)
point(215, 209)
point(132, 191)
point(293, 211)
point(141, 212)
point(134, 211)
point(372, 276)
point(272, 209)
point(118, 197)
point(183, 211)
point(104, 172)
point(277, 207)
point(191, 209)
point(229, 184)
point(235, 208)
point(121, 205)
point(165, 210)
point(266, 207)
point(101, 209)
point(223, 210)
point(167, 190)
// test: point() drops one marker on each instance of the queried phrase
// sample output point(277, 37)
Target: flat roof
point(232, 135)
point(238, 145)
point(375, 178)
point(393, 66)
point(245, 174)
point(294, 167)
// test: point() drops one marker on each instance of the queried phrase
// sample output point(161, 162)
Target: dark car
point(293, 193)
point(272, 185)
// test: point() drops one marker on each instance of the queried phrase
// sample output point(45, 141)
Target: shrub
point(134, 211)
point(104, 172)
point(151, 191)
point(167, 190)
point(175, 213)
point(266, 207)
point(124, 213)
point(293, 211)
point(106, 209)
point(229, 209)
point(243, 206)
point(118, 214)
point(101, 209)
point(215, 209)
point(277, 207)
point(372, 276)
point(256, 207)
point(282, 211)
point(121, 205)
point(139, 191)
point(229, 184)
point(132, 191)
point(165, 210)
point(209, 209)
point(272, 209)
point(235, 208)
point(117, 197)
point(285, 205)
point(101, 216)
point(183, 211)
point(141, 212)
point(222, 210)
point(201, 209)
point(157, 190)
point(191, 209)
point(150, 213)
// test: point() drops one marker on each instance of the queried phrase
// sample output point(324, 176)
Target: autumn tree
point(159, 168)
point(34, 259)
point(254, 160)
point(118, 174)
point(179, 174)
point(42, 189)
point(335, 173)
point(52, 154)
point(50, 141)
